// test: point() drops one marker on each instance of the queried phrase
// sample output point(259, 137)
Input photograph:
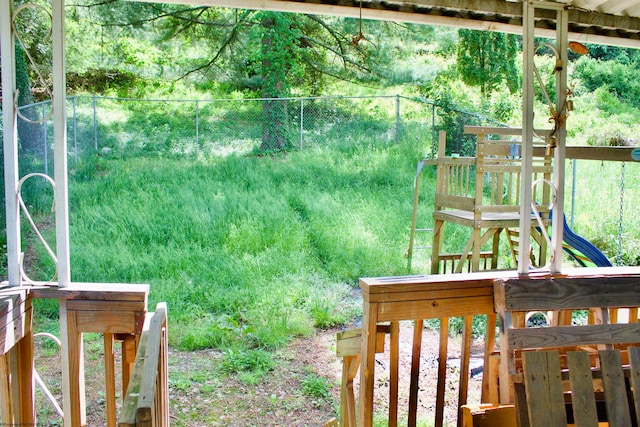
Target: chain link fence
point(218, 127)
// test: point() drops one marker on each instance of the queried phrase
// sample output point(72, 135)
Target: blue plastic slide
point(582, 250)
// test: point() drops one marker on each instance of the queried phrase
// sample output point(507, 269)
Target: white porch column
point(529, 49)
point(10, 141)
point(557, 226)
point(60, 144)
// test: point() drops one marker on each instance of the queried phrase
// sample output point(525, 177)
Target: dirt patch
point(201, 395)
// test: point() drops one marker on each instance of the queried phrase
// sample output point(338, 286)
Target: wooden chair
point(483, 192)
point(547, 395)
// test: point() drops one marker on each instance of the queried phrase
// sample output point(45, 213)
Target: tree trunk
point(275, 121)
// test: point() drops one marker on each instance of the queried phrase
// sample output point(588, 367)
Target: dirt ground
point(201, 396)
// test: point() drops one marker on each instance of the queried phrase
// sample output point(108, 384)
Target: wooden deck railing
point(119, 312)
point(147, 401)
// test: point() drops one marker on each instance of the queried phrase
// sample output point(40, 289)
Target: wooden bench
point(550, 396)
point(562, 295)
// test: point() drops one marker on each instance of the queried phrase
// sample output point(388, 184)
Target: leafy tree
point(264, 51)
point(486, 59)
point(621, 80)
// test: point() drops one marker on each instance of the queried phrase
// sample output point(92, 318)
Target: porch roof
point(612, 22)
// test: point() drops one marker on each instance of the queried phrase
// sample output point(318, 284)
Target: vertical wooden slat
point(634, 362)
point(416, 353)
point(393, 374)
point(367, 368)
point(110, 379)
point(544, 389)
point(614, 388)
point(490, 366)
point(442, 371)
point(129, 348)
point(6, 406)
point(582, 397)
point(347, 400)
point(463, 383)
point(72, 369)
point(24, 377)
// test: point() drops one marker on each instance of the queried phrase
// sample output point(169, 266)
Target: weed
point(248, 365)
point(315, 386)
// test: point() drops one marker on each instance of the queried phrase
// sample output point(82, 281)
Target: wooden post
point(75, 413)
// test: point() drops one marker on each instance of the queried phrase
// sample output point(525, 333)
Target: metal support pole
point(397, 119)
point(45, 152)
point(433, 131)
point(95, 123)
point(10, 142)
point(75, 130)
point(301, 121)
point(197, 126)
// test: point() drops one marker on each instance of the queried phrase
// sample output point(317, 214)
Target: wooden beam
point(491, 15)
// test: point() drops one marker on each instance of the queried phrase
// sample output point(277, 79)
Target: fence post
point(197, 127)
point(301, 120)
point(397, 119)
point(433, 131)
point(75, 126)
point(95, 123)
point(44, 139)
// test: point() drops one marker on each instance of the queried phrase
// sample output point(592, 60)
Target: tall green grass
point(247, 251)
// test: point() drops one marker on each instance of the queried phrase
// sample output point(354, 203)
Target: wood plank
point(6, 408)
point(465, 356)
point(415, 373)
point(583, 399)
point(93, 305)
point(453, 292)
point(569, 336)
point(127, 417)
point(442, 371)
point(367, 368)
point(150, 366)
point(94, 291)
point(524, 294)
point(614, 389)
point(394, 368)
point(115, 322)
point(634, 378)
point(452, 307)
point(544, 389)
point(110, 379)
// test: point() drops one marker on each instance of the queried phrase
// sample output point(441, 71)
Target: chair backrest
point(545, 391)
point(516, 297)
point(489, 182)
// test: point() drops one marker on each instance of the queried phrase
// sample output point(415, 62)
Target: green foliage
point(620, 79)
point(249, 365)
point(316, 387)
point(486, 58)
